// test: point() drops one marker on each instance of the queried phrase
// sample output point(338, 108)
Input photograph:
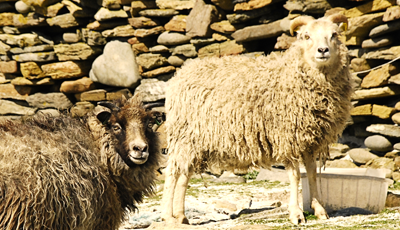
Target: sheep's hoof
point(181, 219)
point(175, 220)
point(169, 220)
point(319, 211)
point(296, 216)
point(321, 214)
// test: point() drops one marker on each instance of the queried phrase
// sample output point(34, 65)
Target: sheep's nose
point(323, 50)
point(139, 147)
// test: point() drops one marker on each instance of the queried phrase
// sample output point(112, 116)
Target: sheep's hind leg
point(179, 197)
point(171, 180)
point(296, 215)
point(311, 167)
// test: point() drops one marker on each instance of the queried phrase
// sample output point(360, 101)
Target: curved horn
point(109, 105)
point(299, 21)
point(338, 18)
point(152, 105)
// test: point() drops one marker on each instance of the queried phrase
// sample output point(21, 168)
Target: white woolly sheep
point(63, 173)
point(237, 112)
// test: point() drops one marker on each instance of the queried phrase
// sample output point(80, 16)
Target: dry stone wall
point(67, 55)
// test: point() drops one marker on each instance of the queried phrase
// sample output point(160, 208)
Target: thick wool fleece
point(61, 173)
point(235, 112)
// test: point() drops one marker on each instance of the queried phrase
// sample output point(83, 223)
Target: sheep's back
point(50, 175)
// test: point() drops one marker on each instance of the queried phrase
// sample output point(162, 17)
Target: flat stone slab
point(384, 129)
point(391, 13)
point(21, 39)
point(172, 38)
point(31, 49)
point(386, 91)
point(175, 4)
point(377, 42)
point(119, 31)
point(245, 16)
point(76, 51)
point(106, 14)
point(384, 29)
point(308, 6)
point(159, 13)
point(65, 21)
point(258, 32)
point(10, 91)
point(49, 100)
point(9, 107)
point(35, 57)
point(384, 53)
point(66, 70)
point(93, 95)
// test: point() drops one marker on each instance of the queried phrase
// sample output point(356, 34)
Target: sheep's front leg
point(179, 197)
point(311, 167)
point(168, 195)
point(296, 215)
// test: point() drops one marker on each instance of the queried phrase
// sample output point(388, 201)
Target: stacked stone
point(68, 54)
point(373, 27)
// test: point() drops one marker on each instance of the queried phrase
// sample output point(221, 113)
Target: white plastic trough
point(344, 188)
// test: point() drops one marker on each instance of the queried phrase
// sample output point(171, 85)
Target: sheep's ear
point(123, 99)
point(343, 27)
point(104, 116)
point(137, 99)
point(102, 113)
point(339, 19)
point(299, 22)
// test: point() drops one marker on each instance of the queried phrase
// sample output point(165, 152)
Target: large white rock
point(116, 66)
point(22, 7)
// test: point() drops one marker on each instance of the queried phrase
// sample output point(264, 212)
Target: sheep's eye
point(148, 124)
point(306, 36)
point(116, 127)
point(334, 35)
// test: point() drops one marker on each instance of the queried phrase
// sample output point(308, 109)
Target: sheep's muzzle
point(139, 152)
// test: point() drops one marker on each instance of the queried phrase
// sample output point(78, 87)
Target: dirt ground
point(252, 205)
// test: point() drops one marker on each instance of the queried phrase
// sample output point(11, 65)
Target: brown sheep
point(63, 173)
point(237, 112)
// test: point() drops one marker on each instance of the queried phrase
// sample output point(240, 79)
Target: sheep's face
point(130, 127)
point(319, 39)
point(129, 124)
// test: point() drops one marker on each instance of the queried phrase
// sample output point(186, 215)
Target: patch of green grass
point(152, 201)
point(309, 216)
point(193, 191)
point(379, 224)
point(266, 221)
point(223, 183)
point(395, 186)
point(196, 181)
point(268, 184)
point(387, 211)
point(251, 175)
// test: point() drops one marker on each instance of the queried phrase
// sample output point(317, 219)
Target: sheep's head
point(319, 38)
point(128, 121)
